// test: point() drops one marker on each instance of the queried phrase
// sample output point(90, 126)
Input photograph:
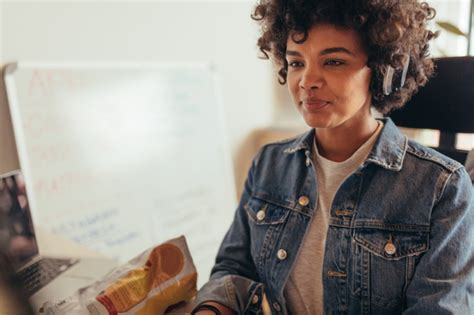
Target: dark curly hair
point(390, 30)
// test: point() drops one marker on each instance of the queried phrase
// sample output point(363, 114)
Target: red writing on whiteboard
point(44, 154)
point(64, 183)
point(37, 124)
point(44, 82)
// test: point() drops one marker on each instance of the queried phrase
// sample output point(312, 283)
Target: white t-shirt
point(304, 289)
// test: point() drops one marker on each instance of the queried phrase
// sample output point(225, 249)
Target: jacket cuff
point(240, 294)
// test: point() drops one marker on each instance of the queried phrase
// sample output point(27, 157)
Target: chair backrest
point(446, 104)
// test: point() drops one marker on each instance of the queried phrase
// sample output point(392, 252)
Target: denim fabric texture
point(400, 236)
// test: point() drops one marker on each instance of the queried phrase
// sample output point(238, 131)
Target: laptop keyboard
point(42, 272)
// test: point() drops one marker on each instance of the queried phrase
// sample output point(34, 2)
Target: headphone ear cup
point(388, 80)
point(403, 77)
point(395, 78)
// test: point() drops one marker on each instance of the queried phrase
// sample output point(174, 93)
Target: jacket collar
point(388, 151)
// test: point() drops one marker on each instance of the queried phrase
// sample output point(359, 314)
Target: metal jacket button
point(255, 299)
point(303, 200)
point(282, 254)
point(260, 215)
point(390, 249)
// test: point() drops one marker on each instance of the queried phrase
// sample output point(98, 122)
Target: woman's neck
point(339, 143)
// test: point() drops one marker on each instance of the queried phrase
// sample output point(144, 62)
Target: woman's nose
point(311, 79)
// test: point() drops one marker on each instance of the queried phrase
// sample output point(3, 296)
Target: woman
point(350, 217)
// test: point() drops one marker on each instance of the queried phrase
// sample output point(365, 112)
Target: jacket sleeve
point(443, 282)
point(234, 281)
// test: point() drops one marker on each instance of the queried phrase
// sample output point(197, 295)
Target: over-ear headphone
point(395, 78)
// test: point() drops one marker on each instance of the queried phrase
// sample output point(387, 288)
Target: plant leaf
point(451, 28)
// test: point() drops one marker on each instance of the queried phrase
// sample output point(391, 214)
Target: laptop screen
point(17, 238)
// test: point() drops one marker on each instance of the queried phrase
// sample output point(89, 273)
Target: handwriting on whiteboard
point(44, 82)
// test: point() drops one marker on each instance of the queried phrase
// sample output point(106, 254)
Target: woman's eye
point(333, 62)
point(295, 64)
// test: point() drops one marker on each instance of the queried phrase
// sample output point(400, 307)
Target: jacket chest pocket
point(384, 262)
point(266, 222)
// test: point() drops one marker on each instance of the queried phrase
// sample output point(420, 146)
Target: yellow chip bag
point(148, 284)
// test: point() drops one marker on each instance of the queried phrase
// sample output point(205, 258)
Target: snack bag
point(148, 284)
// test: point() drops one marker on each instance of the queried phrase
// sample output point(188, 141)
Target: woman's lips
point(315, 105)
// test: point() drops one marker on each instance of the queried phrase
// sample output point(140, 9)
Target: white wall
point(220, 32)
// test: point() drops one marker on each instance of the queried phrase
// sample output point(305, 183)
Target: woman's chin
point(317, 122)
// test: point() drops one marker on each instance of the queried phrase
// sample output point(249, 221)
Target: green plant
point(453, 29)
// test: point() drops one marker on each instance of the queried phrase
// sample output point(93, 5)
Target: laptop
point(44, 278)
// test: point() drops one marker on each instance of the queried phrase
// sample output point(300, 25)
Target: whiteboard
point(120, 157)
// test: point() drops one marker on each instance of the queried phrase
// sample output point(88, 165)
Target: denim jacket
point(400, 237)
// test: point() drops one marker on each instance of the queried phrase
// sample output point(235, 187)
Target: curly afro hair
point(390, 30)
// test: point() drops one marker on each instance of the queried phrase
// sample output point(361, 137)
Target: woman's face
point(328, 77)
